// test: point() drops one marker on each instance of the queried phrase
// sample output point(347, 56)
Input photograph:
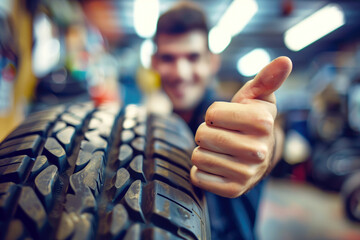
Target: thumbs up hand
point(236, 143)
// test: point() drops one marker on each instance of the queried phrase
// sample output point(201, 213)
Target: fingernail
point(260, 155)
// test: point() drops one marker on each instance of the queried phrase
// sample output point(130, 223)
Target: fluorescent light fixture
point(251, 63)
point(218, 40)
point(314, 27)
point(147, 49)
point(235, 18)
point(146, 14)
point(237, 15)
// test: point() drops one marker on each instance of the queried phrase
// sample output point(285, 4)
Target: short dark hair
point(182, 18)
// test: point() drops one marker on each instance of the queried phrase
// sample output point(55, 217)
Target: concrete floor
point(293, 210)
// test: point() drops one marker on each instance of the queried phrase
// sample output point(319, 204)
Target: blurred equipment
point(101, 15)
point(351, 196)
point(334, 123)
point(327, 118)
point(322, 129)
point(102, 76)
point(354, 108)
point(70, 56)
point(333, 163)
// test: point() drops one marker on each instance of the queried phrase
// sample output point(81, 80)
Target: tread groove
point(85, 172)
point(161, 195)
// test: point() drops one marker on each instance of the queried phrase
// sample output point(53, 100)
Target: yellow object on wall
point(25, 81)
point(148, 80)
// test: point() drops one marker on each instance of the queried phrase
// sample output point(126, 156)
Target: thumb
point(267, 81)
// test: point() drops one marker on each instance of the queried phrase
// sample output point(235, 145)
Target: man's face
point(185, 66)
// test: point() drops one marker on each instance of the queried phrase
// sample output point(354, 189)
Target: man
point(239, 142)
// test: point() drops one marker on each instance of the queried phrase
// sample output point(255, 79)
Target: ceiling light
point(146, 14)
point(147, 49)
point(218, 40)
point(251, 63)
point(314, 27)
point(237, 15)
point(235, 18)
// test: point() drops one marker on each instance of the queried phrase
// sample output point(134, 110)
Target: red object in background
point(101, 94)
point(299, 172)
point(287, 7)
point(9, 72)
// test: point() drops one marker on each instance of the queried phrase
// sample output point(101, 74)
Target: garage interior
point(319, 104)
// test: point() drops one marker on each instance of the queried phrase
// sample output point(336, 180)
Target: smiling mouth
point(179, 93)
point(178, 90)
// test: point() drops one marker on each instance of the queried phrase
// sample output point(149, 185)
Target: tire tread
point(81, 172)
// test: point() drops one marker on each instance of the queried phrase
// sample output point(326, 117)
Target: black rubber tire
point(350, 193)
point(79, 172)
point(333, 163)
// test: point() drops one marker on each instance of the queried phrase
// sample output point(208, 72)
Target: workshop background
point(54, 52)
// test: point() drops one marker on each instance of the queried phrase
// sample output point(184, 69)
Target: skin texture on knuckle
point(215, 139)
point(237, 116)
point(207, 181)
point(211, 113)
point(194, 180)
point(200, 160)
point(259, 152)
point(242, 174)
point(229, 142)
point(200, 133)
point(265, 122)
point(197, 182)
point(195, 159)
point(233, 190)
point(262, 170)
point(257, 177)
point(237, 188)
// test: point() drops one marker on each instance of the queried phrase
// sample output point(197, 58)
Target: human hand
point(237, 140)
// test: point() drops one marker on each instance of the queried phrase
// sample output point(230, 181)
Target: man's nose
point(183, 69)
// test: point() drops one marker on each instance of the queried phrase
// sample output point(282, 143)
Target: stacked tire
point(81, 172)
point(350, 193)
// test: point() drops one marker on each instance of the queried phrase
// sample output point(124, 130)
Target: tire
point(80, 172)
point(333, 163)
point(350, 193)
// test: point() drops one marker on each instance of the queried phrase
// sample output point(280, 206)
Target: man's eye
point(194, 57)
point(167, 58)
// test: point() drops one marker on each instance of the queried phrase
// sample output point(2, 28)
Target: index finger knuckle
point(265, 122)
point(212, 112)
